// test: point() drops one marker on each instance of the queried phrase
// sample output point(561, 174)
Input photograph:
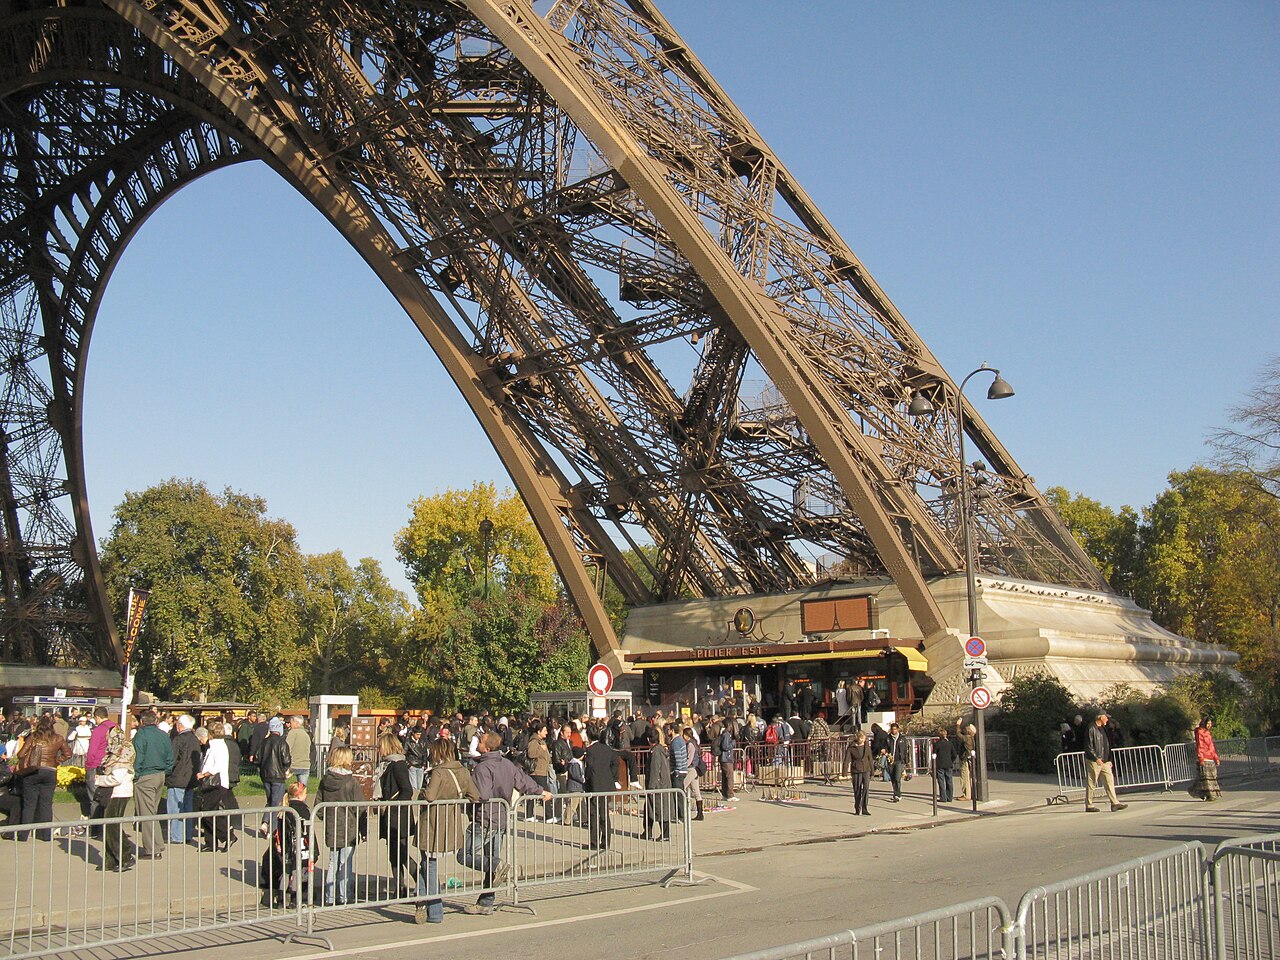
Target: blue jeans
point(429, 886)
point(416, 776)
point(339, 875)
point(945, 789)
point(181, 800)
point(275, 798)
point(301, 774)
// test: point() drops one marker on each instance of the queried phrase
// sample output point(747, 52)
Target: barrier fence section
point(1180, 904)
point(1132, 767)
point(1152, 906)
point(584, 836)
point(1245, 881)
point(978, 930)
point(81, 884)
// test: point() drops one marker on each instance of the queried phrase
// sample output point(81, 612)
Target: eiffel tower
point(663, 338)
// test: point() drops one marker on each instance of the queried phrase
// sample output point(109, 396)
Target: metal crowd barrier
point(1175, 765)
point(583, 836)
point(61, 894)
point(978, 930)
point(1180, 904)
point(231, 868)
point(1245, 881)
point(1148, 907)
point(1132, 767)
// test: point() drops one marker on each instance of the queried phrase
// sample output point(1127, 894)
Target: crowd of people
point(170, 764)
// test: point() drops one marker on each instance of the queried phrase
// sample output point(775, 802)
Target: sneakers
point(1119, 806)
point(420, 914)
point(1090, 809)
point(474, 909)
point(502, 874)
point(553, 819)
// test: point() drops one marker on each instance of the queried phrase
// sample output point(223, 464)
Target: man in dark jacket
point(1097, 765)
point(496, 778)
point(602, 770)
point(181, 780)
point(944, 758)
point(274, 763)
point(153, 762)
point(899, 751)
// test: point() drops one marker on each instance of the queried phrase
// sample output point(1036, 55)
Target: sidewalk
point(827, 813)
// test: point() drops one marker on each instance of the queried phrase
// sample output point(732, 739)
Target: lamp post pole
point(922, 406)
point(486, 529)
point(998, 390)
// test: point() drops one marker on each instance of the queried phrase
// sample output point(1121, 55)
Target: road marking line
point(737, 888)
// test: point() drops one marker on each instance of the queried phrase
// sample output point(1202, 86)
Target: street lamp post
point(486, 530)
point(921, 406)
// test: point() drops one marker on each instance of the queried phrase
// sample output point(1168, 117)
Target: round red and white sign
point(980, 698)
point(599, 679)
point(975, 647)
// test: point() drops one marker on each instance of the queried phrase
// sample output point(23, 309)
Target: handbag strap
point(456, 786)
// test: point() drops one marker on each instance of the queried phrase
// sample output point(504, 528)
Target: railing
point(1149, 907)
point(1245, 881)
point(1176, 905)
point(76, 892)
point(232, 868)
point(1131, 767)
point(1172, 765)
point(979, 930)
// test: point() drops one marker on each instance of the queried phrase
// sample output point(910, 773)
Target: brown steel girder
point(450, 169)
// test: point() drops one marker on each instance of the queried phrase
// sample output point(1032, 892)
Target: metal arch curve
point(87, 242)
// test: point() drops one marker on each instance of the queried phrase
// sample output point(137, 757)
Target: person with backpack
point(441, 829)
point(697, 770)
point(539, 766)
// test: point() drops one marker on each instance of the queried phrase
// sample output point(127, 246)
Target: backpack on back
point(771, 733)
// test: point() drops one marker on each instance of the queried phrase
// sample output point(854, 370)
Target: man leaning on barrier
point(1097, 756)
point(495, 778)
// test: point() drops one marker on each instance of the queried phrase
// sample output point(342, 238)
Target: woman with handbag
point(1206, 783)
point(213, 782)
point(441, 829)
point(396, 823)
point(42, 753)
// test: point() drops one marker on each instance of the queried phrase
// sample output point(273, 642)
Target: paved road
point(781, 893)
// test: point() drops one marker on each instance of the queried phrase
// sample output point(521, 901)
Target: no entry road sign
point(599, 679)
point(980, 698)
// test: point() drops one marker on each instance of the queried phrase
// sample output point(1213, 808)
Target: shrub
point(1031, 708)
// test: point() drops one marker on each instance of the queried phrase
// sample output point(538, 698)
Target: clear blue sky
point(1084, 195)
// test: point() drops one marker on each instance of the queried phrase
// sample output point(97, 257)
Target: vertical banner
point(133, 621)
point(133, 626)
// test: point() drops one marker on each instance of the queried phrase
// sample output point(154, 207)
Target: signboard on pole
point(600, 680)
point(980, 698)
point(976, 647)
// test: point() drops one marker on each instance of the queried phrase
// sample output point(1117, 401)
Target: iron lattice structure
point(661, 335)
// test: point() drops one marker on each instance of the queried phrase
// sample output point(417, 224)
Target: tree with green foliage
point(1211, 563)
point(493, 653)
point(1032, 708)
point(355, 620)
point(225, 580)
point(474, 650)
point(443, 548)
point(1110, 537)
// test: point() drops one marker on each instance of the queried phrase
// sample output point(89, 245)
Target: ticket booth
point(325, 710)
